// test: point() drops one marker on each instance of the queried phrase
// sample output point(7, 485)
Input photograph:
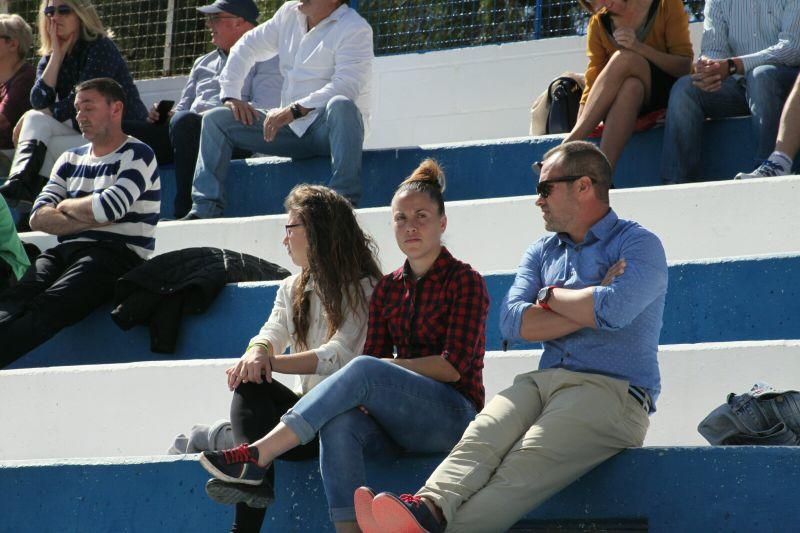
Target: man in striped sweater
point(102, 201)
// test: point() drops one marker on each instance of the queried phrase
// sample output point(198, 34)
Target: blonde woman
point(75, 47)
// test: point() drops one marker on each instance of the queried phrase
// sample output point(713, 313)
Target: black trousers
point(62, 287)
point(256, 408)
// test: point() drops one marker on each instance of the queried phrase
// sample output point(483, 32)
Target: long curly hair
point(339, 255)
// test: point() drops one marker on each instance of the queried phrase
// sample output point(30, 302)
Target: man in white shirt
point(325, 53)
point(178, 134)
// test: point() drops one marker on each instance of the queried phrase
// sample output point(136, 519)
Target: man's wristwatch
point(544, 295)
point(731, 67)
point(297, 111)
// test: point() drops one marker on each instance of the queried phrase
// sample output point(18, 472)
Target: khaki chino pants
point(529, 442)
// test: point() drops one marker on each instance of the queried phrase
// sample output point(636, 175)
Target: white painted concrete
point(137, 409)
point(463, 94)
point(694, 221)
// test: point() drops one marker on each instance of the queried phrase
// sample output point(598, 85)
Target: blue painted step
point(486, 169)
point(748, 299)
point(675, 489)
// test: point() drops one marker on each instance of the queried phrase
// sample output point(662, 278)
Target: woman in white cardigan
point(320, 314)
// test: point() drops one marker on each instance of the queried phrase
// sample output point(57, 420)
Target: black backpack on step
point(564, 96)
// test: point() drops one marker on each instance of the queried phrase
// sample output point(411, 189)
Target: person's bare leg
point(275, 443)
point(621, 119)
point(621, 66)
point(788, 140)
point(779, 162)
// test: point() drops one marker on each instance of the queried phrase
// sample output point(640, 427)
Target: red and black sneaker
point(237, 465)
point(404, 514)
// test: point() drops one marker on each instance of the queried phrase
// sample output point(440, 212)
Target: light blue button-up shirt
point(262, 86)
point(761, 32)
point(628, 313)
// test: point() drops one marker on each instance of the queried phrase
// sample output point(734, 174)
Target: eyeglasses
point(290, 226)
point(213, 19)
point(63, 10)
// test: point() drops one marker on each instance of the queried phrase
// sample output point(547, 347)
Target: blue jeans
point(761, 93)
point(184, 134)
point(407, 413)
point(338, 132)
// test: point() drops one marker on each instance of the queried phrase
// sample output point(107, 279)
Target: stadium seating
point(87, 416)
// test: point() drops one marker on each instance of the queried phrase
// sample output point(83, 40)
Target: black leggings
point(255, 410)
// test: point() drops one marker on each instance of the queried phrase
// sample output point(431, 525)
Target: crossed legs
point(621, 89)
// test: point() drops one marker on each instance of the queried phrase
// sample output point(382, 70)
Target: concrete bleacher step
point(707, 301)
point(694, 221)
point(673, 489)
point(477, 169)
point(138, 408)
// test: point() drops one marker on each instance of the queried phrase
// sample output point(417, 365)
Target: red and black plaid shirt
point(442, 313)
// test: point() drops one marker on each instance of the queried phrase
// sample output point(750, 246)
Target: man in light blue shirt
point(749, 60)
point(228, 21)
point(593, 293)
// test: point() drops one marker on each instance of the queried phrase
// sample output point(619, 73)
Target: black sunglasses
point(63, 10)
point(544, 188)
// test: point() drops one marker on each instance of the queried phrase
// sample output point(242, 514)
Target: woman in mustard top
point(637, 49)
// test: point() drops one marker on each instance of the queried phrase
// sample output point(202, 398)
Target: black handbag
point(564, 97)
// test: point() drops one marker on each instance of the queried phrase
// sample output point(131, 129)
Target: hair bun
point(430, 173)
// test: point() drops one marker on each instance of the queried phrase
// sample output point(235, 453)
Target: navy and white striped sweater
point(125, 189)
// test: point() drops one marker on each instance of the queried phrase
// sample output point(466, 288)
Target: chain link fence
point(164, 37)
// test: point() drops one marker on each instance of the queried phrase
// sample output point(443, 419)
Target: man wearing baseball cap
point(227, 20)
point(326, 52)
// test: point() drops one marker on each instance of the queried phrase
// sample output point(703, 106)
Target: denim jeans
point(338, 132)
point(761, 93)
point(184, 134)
point(407, 413)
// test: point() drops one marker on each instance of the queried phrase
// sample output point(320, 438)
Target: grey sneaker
point(258, 496)
point(768, 169)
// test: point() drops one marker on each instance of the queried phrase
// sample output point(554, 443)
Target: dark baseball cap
point(246, 9)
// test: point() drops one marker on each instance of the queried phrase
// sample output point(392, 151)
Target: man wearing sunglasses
point(592, 293)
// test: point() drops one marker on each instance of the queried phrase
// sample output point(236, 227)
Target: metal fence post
point(537, 29)
point(167, 65)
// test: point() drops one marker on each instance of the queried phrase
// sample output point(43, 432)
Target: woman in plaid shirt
point(425, 346)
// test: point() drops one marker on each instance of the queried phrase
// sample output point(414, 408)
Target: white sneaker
point(768, 169)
